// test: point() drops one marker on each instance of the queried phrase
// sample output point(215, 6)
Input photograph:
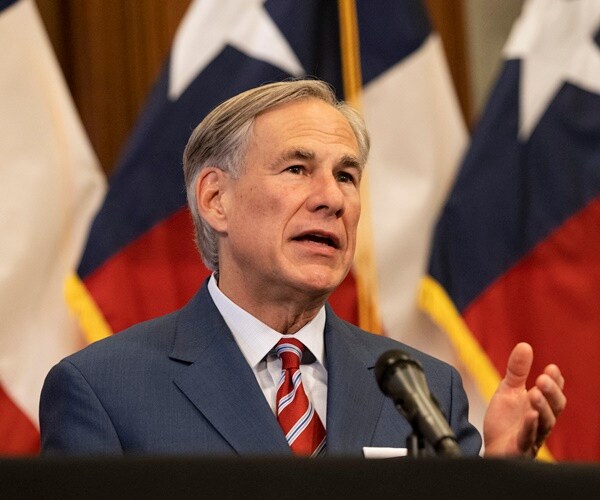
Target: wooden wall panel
point(111, 52)
point(447, 18)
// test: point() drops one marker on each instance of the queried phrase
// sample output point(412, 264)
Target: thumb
point(519, 365)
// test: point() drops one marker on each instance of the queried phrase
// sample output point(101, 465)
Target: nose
point(326, 196)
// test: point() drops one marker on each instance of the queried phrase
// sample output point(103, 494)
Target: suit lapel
point(221, 384)
point(354, 402)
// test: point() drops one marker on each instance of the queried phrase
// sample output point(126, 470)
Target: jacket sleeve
point(72, 418)
point(467, 435)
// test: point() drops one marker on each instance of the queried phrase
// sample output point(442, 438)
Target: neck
point(284, 313)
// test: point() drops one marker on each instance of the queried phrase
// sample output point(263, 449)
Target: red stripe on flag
point(154, 275)
point(161, 270)
point(344, 300)
point(18, 436)
point(551, 300)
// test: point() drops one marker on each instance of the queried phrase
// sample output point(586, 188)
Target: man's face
point(291, 216)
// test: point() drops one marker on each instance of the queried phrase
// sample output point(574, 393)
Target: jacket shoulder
point(373, 345)
point(138, 341)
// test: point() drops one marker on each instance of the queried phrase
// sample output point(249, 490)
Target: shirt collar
point(255, 339)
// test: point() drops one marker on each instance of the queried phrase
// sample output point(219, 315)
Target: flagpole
point(364, 260)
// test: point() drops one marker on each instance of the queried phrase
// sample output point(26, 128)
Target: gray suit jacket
point(179, 384)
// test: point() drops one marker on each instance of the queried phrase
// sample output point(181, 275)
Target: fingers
point(550, 384)
point(546, 417)
point(528, 435)
point(547, 398)
point(522, 419)
point(519, 365)
point(554, 372)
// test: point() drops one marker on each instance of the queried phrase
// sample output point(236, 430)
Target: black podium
point(291, 478)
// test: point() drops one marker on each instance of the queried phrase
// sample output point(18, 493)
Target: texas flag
point(516, 253)
point(140, 260)
point(50, 188)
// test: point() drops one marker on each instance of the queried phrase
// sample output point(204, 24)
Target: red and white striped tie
point(300, 423)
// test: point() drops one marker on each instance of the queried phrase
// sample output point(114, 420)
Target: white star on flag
point(243, 24)
point(566, 53)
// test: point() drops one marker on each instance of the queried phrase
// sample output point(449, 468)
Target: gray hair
point(221, 140)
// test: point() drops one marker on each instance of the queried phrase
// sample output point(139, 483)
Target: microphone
point(402, 379)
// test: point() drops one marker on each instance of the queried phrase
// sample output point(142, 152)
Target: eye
point(295, 169)
point(346, 177)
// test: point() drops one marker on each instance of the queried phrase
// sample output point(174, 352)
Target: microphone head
point(402, 379)
point(387, 364)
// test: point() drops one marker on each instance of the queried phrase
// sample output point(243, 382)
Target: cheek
point(258, 212)
point(263, 206)
point(353, 216)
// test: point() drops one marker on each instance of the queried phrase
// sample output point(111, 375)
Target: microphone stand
point(402, 379)
point(415, 446)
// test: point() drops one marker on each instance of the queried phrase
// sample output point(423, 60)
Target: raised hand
point(518, 420)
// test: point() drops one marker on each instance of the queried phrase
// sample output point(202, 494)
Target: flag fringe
point(434, 300)
point(85, 309)
point(364, 260)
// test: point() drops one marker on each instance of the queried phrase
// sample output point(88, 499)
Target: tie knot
point(290, 352)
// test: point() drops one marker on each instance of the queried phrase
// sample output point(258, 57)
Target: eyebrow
point(295, 154)
point(351, 161)
point(348, 161)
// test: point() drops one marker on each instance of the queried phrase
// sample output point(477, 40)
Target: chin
point(322, 282)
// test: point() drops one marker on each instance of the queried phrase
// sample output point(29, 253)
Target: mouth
point(320, 238)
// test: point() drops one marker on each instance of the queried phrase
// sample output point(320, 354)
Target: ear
point(210, 187)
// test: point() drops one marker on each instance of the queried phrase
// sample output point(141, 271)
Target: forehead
point(306, 120)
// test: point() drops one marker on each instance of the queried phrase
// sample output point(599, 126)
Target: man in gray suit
point(273, 179)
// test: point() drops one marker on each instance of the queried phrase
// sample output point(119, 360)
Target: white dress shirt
point(257, 341)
